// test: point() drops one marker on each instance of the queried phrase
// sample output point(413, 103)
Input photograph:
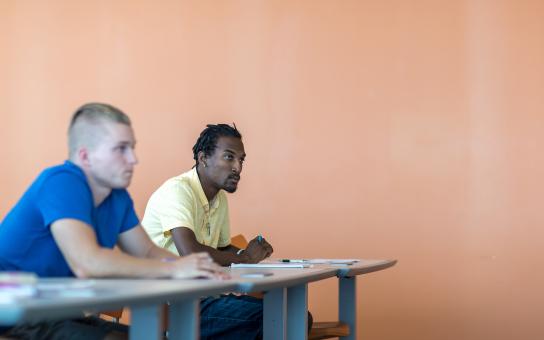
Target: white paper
point(270, 265)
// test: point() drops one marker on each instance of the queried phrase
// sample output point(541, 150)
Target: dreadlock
point(208, 138)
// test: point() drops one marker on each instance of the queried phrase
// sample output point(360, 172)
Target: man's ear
point(202, 158)
point(83, 155)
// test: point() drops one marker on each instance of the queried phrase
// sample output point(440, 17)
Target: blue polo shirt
point(26, 241)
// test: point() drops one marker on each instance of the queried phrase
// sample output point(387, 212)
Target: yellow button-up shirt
point(181, 202)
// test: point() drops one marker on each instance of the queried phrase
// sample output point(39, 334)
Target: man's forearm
point(221, 256)
point(186, 243)
point(86, 258)
point(156, 252)
point(109, 263)
point(230, 248)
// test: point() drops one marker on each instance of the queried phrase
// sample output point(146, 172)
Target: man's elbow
point(81, 272)
point(90, 266)
point(81, 269)
point(188, 249)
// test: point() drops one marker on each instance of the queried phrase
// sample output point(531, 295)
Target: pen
point(293, 260)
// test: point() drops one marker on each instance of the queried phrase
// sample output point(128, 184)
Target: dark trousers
point(84, 328)
point(233, 317)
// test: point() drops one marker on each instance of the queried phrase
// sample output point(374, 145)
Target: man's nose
point(131, 157)
point(237, 167)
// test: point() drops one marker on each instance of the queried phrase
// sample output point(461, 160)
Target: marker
point(293, 260)
point(260, 238)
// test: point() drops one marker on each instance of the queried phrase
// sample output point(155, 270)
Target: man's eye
point(229, 157)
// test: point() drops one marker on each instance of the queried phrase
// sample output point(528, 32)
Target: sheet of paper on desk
point(270, 265)
point(10, 294)
point(74, 289)
point(16, 285)
point(72, 285)
point(316, 261)
point(333, 261)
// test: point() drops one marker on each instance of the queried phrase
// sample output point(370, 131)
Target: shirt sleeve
point(65, 195)
point(130, 219)
point(174, 207)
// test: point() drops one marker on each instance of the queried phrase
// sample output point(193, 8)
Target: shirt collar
point(197, 187)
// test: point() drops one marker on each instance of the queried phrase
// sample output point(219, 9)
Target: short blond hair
point(87, 123)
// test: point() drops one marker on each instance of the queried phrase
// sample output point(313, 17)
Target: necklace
point(207, 213)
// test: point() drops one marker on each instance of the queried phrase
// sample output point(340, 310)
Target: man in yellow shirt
point(189, 213)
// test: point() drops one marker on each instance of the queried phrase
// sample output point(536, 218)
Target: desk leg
point(347, 304)
point(275, 314)
point(297, 312)
point(184, 319)
point(145, 322)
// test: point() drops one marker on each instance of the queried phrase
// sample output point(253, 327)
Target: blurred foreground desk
point(66, 298)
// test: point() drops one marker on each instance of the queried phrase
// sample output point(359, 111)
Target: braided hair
point(207, 141)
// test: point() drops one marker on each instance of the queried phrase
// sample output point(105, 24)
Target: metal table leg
point(297, 312)
point(184, 319)
point(145, 323)
point(347, 304)
point(275, 314)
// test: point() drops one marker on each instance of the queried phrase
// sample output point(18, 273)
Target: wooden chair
point(320, 330)
point(112, 315)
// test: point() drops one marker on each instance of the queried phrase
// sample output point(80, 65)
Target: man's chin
point(121, 184)
point(230, 189)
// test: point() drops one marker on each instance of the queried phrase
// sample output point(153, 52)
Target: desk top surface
point(364, 267)
point(63, 298)
point(67, 297)
point(262, 279)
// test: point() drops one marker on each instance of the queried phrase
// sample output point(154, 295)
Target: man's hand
point(196, 265)
point(257, 250)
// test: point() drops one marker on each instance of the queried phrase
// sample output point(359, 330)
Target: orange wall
point(374, 129)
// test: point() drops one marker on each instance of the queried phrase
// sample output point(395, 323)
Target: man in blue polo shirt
point(69, 220)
